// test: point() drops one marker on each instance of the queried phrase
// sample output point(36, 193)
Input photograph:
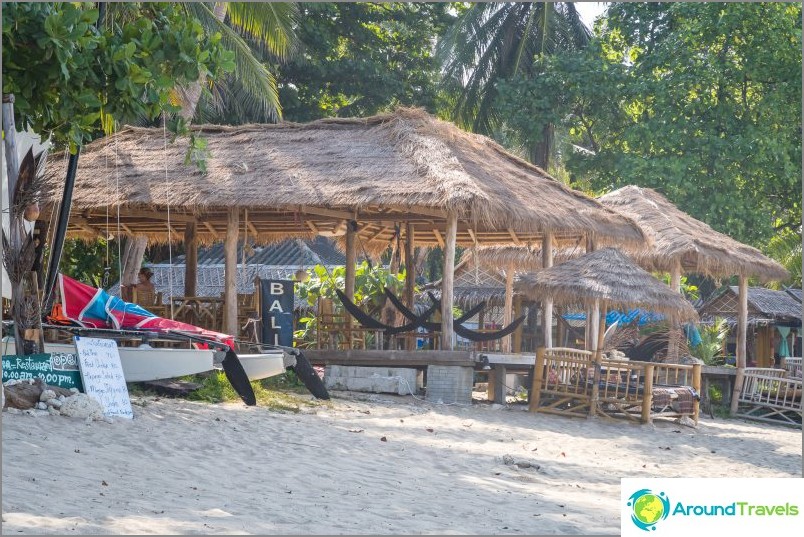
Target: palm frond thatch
point(386, 166)
point(679, 238)
point(611, 278)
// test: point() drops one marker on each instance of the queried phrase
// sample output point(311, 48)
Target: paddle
point(238, 378)
point(309, 376)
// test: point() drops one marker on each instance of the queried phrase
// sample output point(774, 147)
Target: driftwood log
point(24, 395)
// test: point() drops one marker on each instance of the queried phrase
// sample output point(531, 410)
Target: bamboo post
point(598, 358)
point(516, 345)
point(591, 320)
point(675, 329)
point(351, 260)
point(538, 377)
point(447, 282)
point(509, 304)
point(742, 329)
point(410, 276)
point(696, 385)
point(230, 275)
point(547, 262)
point(190, 260)
point(647, 397)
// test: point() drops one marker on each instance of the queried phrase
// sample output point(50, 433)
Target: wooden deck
point(391, 358)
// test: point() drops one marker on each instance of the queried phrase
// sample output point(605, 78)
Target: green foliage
point(698, 100)
point(688, 289)
point(280, 393)
point(494, 42)
point(710, 350)
point(361, 58)
point(785, 247)
point(370, 284)
point(88, 261)
point(74, 80)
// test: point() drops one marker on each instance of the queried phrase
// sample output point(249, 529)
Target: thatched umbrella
point(368, 180)
point(607, 278)
point(680, 243)
point(520, 258)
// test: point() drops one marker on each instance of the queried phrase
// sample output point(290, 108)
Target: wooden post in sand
point(447, 282)
point(230, 275)
point(509, 304)
point(675, 327)
point(598, 358)
point(742, 329)
point(547, 303)
point(538, 378)
point(190, 259)
point(410, 276)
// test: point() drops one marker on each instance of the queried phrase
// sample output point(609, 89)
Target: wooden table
point(202, 311)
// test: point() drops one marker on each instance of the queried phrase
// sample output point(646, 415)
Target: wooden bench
point(770, 395)
point(573, 382)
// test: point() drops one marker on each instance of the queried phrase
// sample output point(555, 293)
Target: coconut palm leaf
point(495, 41)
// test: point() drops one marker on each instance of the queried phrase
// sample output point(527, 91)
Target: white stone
point(47, 395)
point(82, 405)
point(41, 406)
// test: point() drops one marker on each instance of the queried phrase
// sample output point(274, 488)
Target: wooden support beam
point(210, 228)
point(509, 304)
point(376, 235)
point(191, 260)
point(547, 303)
point(514, 237)
point(156, 215)
point(675, 328)
point(230, 274)
point(311, 225)
point(447, 282)
point(351, 261)
point(472, 235)
point(410, 265)
point(320, 211)
point(742, 331)
point(439, 238)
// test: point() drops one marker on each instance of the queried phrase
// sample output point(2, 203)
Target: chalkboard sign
point(276, 311)
point(103, 375)
point(57, 369)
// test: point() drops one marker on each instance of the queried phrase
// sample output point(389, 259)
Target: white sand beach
point(195, 468)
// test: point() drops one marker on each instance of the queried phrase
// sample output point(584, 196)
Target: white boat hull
point(143, 364)
point(261, 366)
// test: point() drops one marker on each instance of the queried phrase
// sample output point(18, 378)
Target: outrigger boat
point(88, 311)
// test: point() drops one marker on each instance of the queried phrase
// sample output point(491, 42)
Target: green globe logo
point(648, 508)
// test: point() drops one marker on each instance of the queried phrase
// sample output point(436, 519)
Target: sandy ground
point(194, 468)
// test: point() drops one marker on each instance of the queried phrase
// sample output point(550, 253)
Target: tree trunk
point(540, 154)
point(133, 253)
point(193, 91)
point(190, 260)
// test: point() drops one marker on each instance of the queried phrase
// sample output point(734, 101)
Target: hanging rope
point(170, 239)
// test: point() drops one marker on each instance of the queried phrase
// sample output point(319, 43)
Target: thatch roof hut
point(679, 238)
point(609, 278)
point(521, 258)
point(307, 179)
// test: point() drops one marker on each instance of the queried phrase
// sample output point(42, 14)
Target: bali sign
point(276, 312)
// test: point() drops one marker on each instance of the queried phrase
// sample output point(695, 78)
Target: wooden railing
point(578, 383)
point(770, 395)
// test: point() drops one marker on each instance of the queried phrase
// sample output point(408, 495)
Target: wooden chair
point(337, 330)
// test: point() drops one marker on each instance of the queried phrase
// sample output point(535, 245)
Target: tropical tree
point(360, 58)
point(260, 34)
point(493, 42)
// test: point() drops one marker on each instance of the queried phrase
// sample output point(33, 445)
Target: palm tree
point(491, 42)
point(248, 28)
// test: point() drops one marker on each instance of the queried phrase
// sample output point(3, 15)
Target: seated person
point(144, 287)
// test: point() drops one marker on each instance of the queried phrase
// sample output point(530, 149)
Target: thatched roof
point(471, 286)
point(765, 306)
point(609, 276)
point(524, 258)
point(305, 179)
point(678, 237)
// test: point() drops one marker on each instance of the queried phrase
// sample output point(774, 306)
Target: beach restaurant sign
point(57, 369)
point(276, 312)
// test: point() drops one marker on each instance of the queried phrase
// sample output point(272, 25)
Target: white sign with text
point(102, 375)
